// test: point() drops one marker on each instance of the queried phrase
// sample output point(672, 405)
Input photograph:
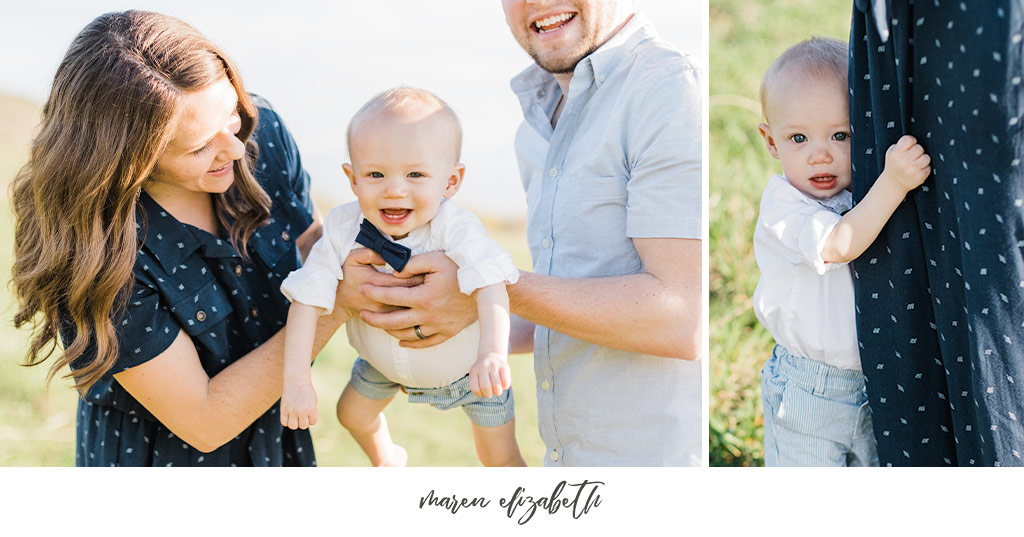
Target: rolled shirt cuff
point(311, 288)
point(487, 272)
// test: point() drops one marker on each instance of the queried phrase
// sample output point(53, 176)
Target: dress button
point(546, 243)
point(238, 270)
point(255, 312)
point(553, 172)
point(285, 235)
point(545, 385)
point(200, 315)
point(554, 455)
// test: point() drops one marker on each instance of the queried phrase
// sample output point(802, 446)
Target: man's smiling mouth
point(552, 23)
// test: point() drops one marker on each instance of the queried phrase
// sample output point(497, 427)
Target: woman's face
point(203, 148)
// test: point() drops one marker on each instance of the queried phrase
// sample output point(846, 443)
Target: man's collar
point(599, 64)
point(608, 56)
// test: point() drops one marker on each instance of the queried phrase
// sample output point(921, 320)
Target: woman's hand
point(433, 302)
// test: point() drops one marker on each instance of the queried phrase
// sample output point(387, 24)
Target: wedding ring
point(419, 333)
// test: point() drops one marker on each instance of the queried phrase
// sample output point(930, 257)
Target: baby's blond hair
point(817, 58)
point(404, 99)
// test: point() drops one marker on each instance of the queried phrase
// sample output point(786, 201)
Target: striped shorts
point(483, 411)
point(815, 414)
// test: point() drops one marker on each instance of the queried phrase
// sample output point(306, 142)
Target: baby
point(405, 146)
point(812, 387)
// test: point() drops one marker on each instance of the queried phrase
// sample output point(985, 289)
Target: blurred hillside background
point(317, 62)
point(744, 39)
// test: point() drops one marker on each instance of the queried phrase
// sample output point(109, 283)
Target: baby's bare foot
point(397, 458)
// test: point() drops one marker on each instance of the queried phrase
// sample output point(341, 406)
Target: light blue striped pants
point(815, 414)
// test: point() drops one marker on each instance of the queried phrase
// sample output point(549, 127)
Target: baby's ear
point(351, 174)
point(769, 141)
point(455, 180)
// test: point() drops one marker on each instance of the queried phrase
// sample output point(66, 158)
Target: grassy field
point(745, 37)
point(37, 425)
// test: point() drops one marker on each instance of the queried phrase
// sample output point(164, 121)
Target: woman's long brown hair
point(106, 122)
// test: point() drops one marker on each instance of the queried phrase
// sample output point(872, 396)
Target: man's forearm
point(636, 313)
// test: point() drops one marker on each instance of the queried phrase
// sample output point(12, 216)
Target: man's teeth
point(543, 23)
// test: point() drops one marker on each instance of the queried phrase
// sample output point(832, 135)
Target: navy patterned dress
point(940, 294)
point(187, 279)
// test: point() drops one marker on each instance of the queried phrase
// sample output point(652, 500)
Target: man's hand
point(429, 297)
point(359, 274)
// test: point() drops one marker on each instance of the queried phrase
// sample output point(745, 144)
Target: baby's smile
point(395, 216)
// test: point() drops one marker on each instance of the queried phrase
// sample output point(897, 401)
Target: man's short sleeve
point(664, 144)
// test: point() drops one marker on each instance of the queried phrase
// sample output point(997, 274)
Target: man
point(610, 156)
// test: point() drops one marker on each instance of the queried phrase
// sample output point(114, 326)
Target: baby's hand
point(298, 406)
point(906, 164)
point(490, 375)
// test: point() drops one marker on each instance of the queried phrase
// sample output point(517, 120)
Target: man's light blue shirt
point(623, 162)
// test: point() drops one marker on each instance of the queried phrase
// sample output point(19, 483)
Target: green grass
point(745, 37)
point(37, 424)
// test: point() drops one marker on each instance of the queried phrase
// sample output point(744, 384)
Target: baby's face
point(401, 170)
point(809, 132)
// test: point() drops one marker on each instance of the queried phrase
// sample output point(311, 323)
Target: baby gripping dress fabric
point(187, 279)
point(940, 294)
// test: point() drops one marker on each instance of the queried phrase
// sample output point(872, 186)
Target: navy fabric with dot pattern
point(187, 279)
point(940, 294)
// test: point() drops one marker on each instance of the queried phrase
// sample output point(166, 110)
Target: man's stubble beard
point(561, 68)
point(560, 65)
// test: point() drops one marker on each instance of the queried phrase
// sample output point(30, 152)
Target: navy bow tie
point(393, 253)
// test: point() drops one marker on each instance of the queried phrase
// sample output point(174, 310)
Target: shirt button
point(200, 315)
point(545, 385)
point(285, 235)
point(553, 172)
point(238, 270)
point(601, 78)
point(546, 243)
point(554, 455)
point(255, 312)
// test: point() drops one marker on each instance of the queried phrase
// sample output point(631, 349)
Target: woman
point(940, 295)
point(160, 209)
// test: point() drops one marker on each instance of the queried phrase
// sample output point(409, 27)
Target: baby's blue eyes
point(839, 137)
point(379, 175)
